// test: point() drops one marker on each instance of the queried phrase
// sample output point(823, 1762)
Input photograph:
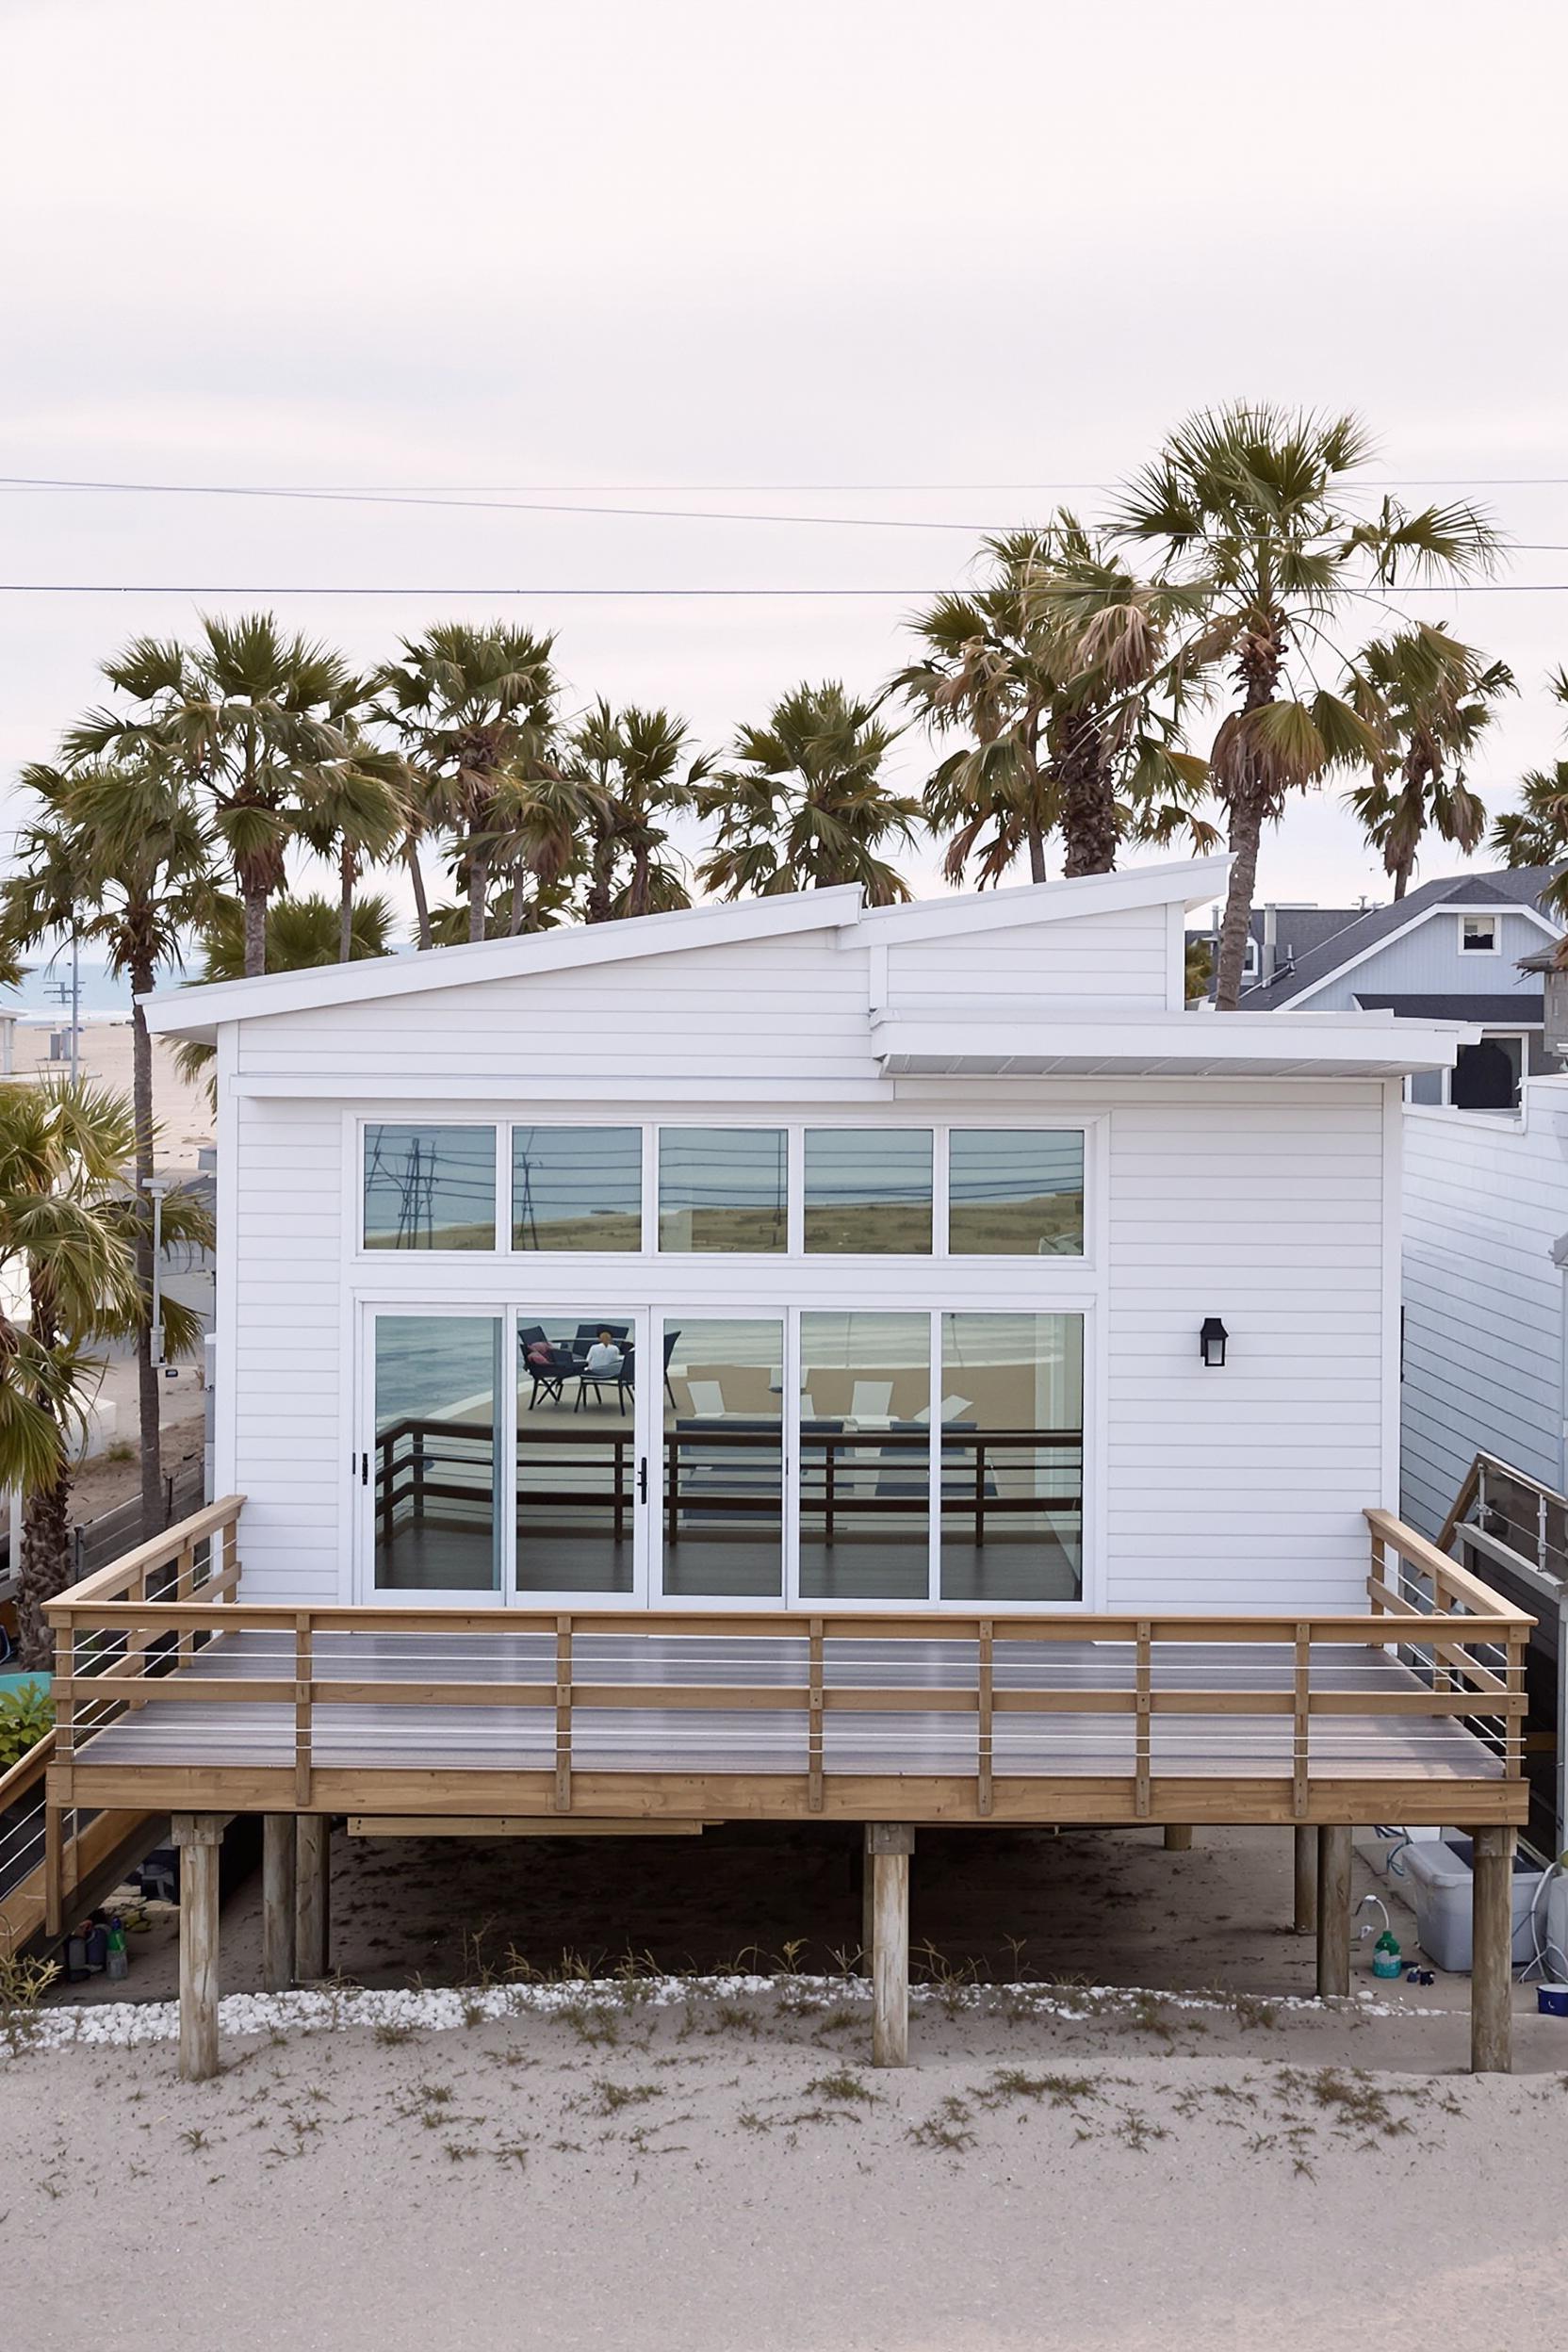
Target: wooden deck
point(173, 1693)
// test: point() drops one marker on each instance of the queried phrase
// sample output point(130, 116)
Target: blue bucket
point(1551, 2001)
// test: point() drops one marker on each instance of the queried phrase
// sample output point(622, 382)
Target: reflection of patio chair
point(670, 1338)
point(550, 1376)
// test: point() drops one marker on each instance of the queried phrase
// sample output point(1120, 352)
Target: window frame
point(1002, 1119)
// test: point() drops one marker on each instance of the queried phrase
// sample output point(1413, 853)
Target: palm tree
point(356, 811)
point(67, 1236)
point(1536, 833)
point(805, 804)
point(627, 765)
point(1254, 509)
point(989, 668)
point(254, 717)
point(1432, 700)
point(473, 712)
point(1052, 668)
point(118, 854)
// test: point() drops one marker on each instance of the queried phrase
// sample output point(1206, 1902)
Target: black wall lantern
point(1211, 1343)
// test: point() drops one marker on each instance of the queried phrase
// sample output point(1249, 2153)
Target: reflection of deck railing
point(1212, 1716)
point(715, 1471)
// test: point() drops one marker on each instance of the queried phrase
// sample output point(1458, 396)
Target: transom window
point(870, 1190)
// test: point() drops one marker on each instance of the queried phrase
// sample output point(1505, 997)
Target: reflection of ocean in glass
point(1015, 1192)
point(722, 1188)
point(868, 1190)
point(576, 1188)
point(430, 1187)
point(436, 1476)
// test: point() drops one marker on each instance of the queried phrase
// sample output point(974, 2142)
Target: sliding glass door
point(430, 1469)
point(602, 1452)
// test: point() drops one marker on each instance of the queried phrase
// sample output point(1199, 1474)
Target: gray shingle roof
point(1519, 1008)
point(1515, 886)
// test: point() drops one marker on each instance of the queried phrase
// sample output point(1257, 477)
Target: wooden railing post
point(813, 1719)
point(1144, 1681)
point(986, 1702)
point(303, 1700)
point(562, 1801)
point(1301, 1772)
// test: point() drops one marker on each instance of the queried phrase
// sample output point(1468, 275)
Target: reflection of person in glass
point(604, 1357)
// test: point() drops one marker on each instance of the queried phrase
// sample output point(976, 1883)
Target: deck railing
point(136, 1632)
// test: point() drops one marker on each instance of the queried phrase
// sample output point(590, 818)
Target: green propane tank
point(1386, 1959)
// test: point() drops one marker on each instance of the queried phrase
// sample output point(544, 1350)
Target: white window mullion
point(934, 1577)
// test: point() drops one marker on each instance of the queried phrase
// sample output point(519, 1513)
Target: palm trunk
point(421, 903)
point(1401, 879)
point(255, 932)
point(519, 903)
point(345, 904)
point(596, 905)
point(1088, 799)
point(1246, 835)
point(45, 1562)
point(46, 1569)
point(1036, 850)
point(149, 1404)
point(479, 891)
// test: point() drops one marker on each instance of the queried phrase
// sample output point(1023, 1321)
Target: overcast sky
point(699, 246)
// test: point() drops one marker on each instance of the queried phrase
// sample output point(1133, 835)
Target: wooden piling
point(1334, 1911)
point(199, 1837)
point(888, 1846)
point(312, 1888)
point(277, 1902)
point(1177, 1836)
point(1492, 1951)
point(1306, 1879)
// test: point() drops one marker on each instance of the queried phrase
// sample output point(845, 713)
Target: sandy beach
point(706, 2174)
point(715, 2167)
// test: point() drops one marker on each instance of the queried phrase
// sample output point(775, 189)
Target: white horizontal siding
point(1246, 1487)
point(1483, 1202)
point(284, 1352)
point(1119, 962)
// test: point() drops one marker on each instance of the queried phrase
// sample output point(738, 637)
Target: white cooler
point(1437, 1878)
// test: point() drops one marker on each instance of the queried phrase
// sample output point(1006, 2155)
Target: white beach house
point(903, 1225)
point(793, 1362)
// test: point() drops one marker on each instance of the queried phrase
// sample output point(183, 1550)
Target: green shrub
point(26, 1716)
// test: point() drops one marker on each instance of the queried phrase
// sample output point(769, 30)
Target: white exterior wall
point(1269, 1203)
point(1485, 1198)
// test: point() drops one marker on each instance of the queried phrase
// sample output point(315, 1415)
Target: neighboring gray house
point(1450, 951)
point(1485, 1304)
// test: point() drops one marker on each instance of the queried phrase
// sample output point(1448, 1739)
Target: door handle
point(643, 1479)
point(364, 1469)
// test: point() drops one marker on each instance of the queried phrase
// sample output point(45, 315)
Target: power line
point(485, 505)
point(705, 489)
point(170, 588)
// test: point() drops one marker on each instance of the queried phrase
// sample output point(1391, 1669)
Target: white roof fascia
point(1376, 1043)
point(196, 1012)
point(1427, 914)
point(1191, 883)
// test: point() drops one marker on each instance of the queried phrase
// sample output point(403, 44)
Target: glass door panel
point(435, 1465)
point(1012, 1457)
point(722, 1488)
point(576, 1452)
point(865, 1457)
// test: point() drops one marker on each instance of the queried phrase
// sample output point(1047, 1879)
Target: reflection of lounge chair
point(871, 1400)
point(707, 1400)
point(708, 1475)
